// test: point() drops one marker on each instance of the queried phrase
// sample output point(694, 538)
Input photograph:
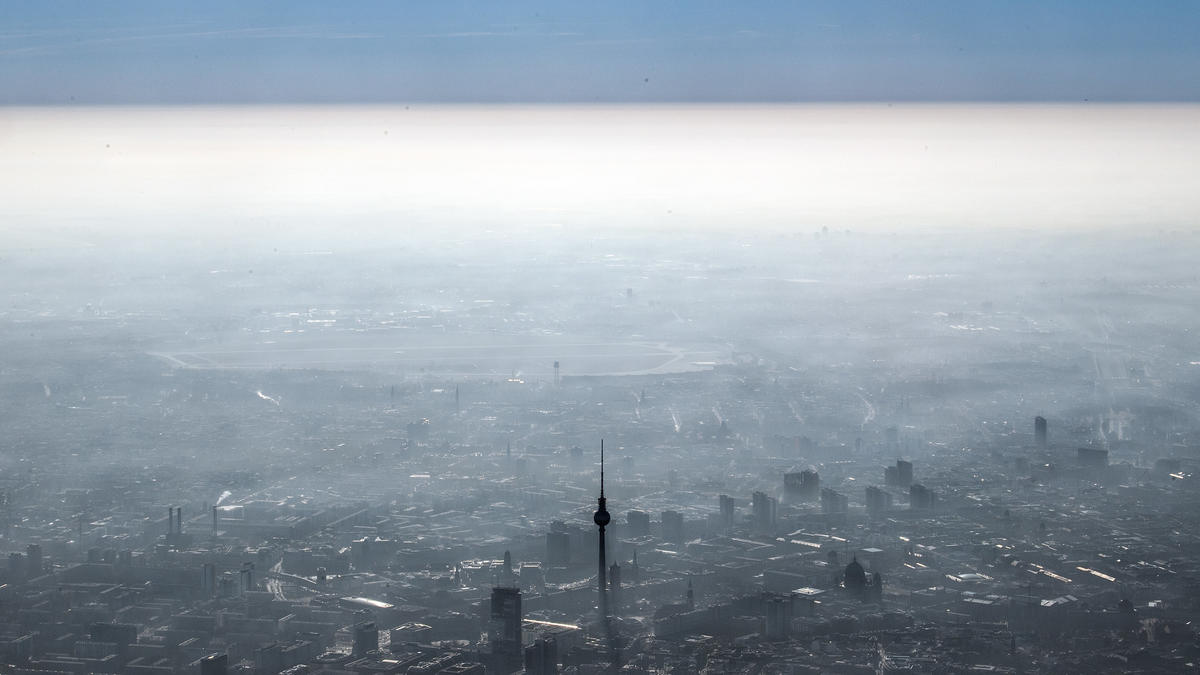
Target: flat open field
point(478, 355)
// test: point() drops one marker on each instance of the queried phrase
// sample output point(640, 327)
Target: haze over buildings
point(792, 338)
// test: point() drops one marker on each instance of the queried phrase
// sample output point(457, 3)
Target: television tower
point(602, 519)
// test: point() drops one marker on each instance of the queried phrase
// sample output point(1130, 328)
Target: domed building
point(855, 581)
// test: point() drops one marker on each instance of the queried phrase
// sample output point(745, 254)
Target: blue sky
point(646, 51)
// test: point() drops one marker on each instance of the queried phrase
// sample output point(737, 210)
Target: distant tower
point(727, 508)
point(614, 578)
point(556, 379)
point(1039, 431)
point(690, 596)
point(457, 407)
point(602, 519)
point(764, 509)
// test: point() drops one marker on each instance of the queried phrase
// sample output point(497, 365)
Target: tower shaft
point(603, 579)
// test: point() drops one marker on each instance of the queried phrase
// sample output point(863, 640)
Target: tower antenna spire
point(602, 468)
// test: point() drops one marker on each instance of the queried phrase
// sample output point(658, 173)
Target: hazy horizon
point(215, 171)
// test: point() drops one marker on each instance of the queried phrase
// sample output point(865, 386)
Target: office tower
point(921, 497)
point(246, 578)
point(727, 508)
point(878, 501)
point(366, 639)
point(764, 509)
point(904, 473)
point(505, 632)
point(1039, 431)
point(672, 527)
point(833, 501)
point(778, 619)
point(602, 518)
point(810, 485)
point(801, 486)
point(541, 657)
point(791, 488)
point(208, 579)
point(639, 523)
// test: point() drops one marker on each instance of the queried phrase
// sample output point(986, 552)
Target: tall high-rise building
point(810, 485)
point(904, 473)
point(506, 614)
point(728, 504)
point(639, 523)
point(208, 579)
point(541, 657)
point(801, 486)
point(878, 501)
point(777, 621)
point(921, 497)
point(791, 487)
point(366, 638)
point(246, 578)
point(764, 509)
point(833, 501)
point(1039, 431)
point(505, 630)
point(672, 527)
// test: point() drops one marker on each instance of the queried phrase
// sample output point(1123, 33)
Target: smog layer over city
point(645, 339)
